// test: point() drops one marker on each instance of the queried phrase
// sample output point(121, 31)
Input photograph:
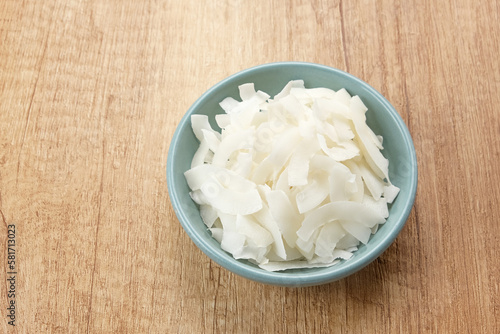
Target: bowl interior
point(270, 78)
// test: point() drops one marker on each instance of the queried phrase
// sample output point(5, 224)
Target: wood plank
point(91, 93)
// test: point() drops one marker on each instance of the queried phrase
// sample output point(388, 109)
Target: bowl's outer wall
point(271, 78)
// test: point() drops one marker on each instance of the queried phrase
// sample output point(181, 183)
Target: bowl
point(270, 78)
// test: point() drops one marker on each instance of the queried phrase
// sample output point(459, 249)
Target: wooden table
point(90, 95)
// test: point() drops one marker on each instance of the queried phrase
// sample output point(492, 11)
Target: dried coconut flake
point(296, 181)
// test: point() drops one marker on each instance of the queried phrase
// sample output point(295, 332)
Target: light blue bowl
point(270, 78)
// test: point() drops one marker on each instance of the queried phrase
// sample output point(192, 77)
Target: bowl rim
point(284, 278)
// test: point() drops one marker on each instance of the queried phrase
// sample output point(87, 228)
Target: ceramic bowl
point(270, 78)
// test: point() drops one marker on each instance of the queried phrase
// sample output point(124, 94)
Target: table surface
point(91, 93)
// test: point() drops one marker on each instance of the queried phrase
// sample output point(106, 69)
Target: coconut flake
point(201, 154)
point(283, 184)
point(357, 230)
point(298, 168)
point(336, 153)
point(247, 91)
point(228, 104)
point(208, 214)
point(286, 90)
point(313, 193)
point(342, 183)
point(230, 144)
point(266, 220)
point(284, 214)
point(342, 210)
point(368, 144)
point(199, 123)
point(390, 193)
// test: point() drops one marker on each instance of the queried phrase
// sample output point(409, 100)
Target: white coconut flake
point(212, 140)
point(390, 193)
point(298, 181)
point(200, 122)
point(230, 201)
point(340, 210)
point(286, 90)
point(327, 239)
point(348, 242)
point(208, 214)
point(336, 153)
point(374, 184)
point(342, 96)
point(201, 154)
point(207, 173)
point(313, 193)
point(228, 104)
point(247, 91)
point(281, 266)
point(223, 120)
point(379, 205)
point(368, 143)
point(247, 226)
point(267, 221)
point(343, 127)
point(298, 168)
point(357, 230)
point(231, 143)
point(217, 233)
point(342, 183)
point(332, 108)
point(284, 214)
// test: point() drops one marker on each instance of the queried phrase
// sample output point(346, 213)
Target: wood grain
point(91, 93)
